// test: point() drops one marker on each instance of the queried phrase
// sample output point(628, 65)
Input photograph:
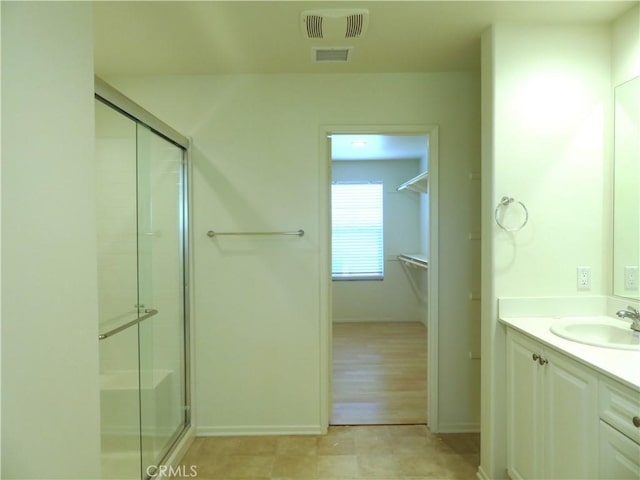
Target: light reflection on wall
point(549, 102)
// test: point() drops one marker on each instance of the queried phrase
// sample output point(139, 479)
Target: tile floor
point(401, 452)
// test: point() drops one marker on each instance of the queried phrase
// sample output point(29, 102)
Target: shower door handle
point(149, 312)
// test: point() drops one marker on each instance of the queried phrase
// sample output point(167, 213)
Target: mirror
point(626, 191)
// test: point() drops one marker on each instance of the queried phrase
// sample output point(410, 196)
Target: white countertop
point(622, 365)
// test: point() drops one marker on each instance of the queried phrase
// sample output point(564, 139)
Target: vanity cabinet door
point(619, 455)
point(552, 415)
point(571, 418)
point(525, 434)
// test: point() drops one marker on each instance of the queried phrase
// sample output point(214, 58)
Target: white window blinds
point(357, 234)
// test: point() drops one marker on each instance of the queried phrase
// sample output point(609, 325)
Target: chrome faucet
point(633, 315)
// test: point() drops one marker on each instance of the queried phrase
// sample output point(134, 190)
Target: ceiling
point(225, 37)
point(230, 37)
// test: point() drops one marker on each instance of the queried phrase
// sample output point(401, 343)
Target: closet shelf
point(417, 184)
point(415, 259)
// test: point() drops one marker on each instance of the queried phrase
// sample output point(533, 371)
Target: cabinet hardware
point(636, 421)
point(539, 359)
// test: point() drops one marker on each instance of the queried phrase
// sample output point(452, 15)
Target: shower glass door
point(141, 231)
point(161, 290)
point(118, 302)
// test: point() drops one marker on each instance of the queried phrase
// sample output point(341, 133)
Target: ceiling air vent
point(313, 26)
point(335, 24)
point(332, 55)
point(355, 26)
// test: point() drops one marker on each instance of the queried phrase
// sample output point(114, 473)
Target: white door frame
point(326, 355)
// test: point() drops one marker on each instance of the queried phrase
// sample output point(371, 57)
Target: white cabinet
point(524, 412)
point(619, 409)
point(552, 413)
point(619, 406)
point(619, 455)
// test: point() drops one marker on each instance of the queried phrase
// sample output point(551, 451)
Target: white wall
point(546, 142)
point(394, 298)
point(626, 47)
point(552, 153)
point(1, 250)
point(424, 207)
point(493, 394)
point(258, 302)
point(50, 402)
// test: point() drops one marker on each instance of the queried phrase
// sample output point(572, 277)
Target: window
point(357, 236)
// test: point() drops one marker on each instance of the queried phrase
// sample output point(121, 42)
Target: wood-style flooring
point(372, 452)
point(379, 373)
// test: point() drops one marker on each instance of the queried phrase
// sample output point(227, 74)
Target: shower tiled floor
point(345, 453)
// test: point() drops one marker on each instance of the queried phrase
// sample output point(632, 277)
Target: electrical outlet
point(631, 277)
point(583, 278)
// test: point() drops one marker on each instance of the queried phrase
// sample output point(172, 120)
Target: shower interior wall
point(117, 224)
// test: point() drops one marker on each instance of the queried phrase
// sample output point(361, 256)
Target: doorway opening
point(383, 360)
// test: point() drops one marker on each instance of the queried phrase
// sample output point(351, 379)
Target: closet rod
point(412, 260)
point(212, 234)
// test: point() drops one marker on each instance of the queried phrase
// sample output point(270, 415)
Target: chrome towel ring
point(505, 202)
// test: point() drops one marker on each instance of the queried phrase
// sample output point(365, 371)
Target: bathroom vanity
point(572, 368)
point(573, 409)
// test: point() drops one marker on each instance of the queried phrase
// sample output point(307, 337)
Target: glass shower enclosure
point(142, 259)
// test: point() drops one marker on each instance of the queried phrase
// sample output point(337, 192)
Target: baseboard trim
point(459, 428)
point(243, 430)
point(481, 474)
point(373, 320)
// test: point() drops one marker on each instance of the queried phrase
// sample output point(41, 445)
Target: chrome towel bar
point(148, 314)
point(212, 234)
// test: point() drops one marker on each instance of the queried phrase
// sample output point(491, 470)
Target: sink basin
point(600, 331)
